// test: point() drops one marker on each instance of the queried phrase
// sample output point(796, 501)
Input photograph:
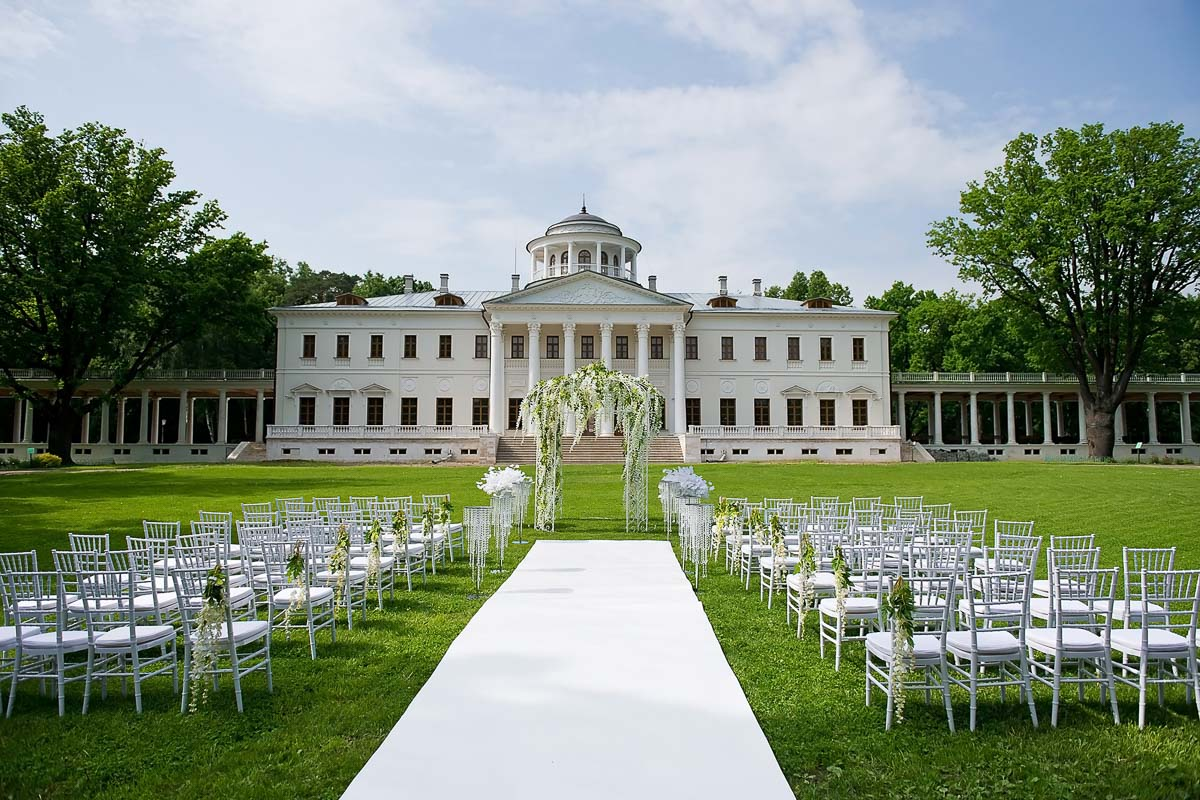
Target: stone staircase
point(248, 451)
point(590, 450)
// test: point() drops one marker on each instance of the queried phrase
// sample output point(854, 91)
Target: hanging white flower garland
point(582, 395)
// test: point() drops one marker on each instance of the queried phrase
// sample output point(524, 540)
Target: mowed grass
point(326, 717)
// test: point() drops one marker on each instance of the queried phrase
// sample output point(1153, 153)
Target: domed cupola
point(580, 243)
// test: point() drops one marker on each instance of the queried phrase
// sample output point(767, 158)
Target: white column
point(678, 424)
point(568, 353)
point(571, 259)
point(1046, 418)
point(1082, 411)
point(621, 274)
point(85, 434)
point(596, 258)
point(155, 421)
point(104, 409)
point(1119, 423)
point(27, 425)
point(605, 428)
point(633, 267)
point(1185, 417)
point(1011, 405)
point(545, 261)
point(258, 415)
point(1060, 408)
point(121, 420)
point(496, 396)
point(903, 414)
point(935, 420)
point(643, 349)
point(223, 418)
point(1152, 417)
point(532, 263)
point(144, 419)
point(535, 353)
point(974, 417)
point(185, 411)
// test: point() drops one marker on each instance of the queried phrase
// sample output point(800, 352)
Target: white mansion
point(431, 376)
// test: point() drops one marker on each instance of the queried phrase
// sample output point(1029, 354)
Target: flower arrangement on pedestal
point(899, 609)
point(210, 625)
point(502, 479)
point(580, 396)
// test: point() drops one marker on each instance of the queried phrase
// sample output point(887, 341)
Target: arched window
point(603, 258)
point(552, 260)
point(584, 257)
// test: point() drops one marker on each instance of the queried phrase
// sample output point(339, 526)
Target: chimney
point(408, 284)
point(724, 281)
point(758, 287)
point(652, 282)
point(445, 283)
point(516, 282)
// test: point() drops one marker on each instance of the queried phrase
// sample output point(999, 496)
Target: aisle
point(593, 672)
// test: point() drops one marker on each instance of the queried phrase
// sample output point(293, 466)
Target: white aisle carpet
point(592, 673)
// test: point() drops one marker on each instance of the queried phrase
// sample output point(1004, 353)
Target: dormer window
point(723, 301)
point(448, 300)
point(818, 302)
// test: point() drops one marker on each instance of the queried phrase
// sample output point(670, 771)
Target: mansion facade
point(433, 376)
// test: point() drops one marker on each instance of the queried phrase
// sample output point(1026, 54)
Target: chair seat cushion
point(411, 550)
point(72, 641)
point(144, 635)
point(317, 595)
point(8, 635)
point(756, 549)
point(1074, 640)
point(1123, 610)
point(1161, 642)
point(43, 603)
point(926, 648)
point(360, 562)
point(855, 607)
point(239, 596)
point(768, 562)
point(1042, 608)
point(818, 581)
point(243, 631)
point(352, 576)
point(1011, 610)
point(990, 643)
point(166, 601)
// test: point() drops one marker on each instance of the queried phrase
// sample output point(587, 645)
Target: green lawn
point(326, 717)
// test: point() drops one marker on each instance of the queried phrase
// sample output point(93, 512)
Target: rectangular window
point(762, 411)
point(692, 410)
point(479, 411)
point(728, 411)
point(760, 348)
point(826, 348)
point(587, 346)
point(858, 412)
point(374, 410)
point(828, 413)
point(857, 349)
point(376, 345)
point(552, 347)
point(481, 345)
point(793, 348)
point(341, 411)
point(517, 345)
point(410, 345)
point(795, 411)
point(445, 345)
point(444, 411)
point(308, 411)
point(727, 348)
point(691, 348)
point(408, 411)
point(310, 346)
point(622, 347)
point(656, 347)
point(343, 346)
point(514, 413)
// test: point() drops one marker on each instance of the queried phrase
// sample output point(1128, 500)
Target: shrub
point(46, 461)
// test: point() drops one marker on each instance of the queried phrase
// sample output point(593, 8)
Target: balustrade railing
point(796, 431)
point(163, 374)
point(1034, 377)
point(373, 431)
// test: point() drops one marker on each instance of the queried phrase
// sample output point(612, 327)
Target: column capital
point(678, 327)
point(606, 327)
point(535, 328)
point(496, 327)
point(568, 327)
point(643, 328)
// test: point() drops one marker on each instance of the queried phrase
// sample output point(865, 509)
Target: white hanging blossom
point(502, 479)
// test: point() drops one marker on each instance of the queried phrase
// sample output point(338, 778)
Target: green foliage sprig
point(210, 626)
point(899, 610)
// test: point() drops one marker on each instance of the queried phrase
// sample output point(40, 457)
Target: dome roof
point(583, 221)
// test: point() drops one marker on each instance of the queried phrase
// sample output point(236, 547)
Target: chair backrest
point(1081, 598)
point(866, 503)
point(1013, 552)
point(257, 508)
point(1072, 559)
point(1136, 560)
point(282, 504)
point(91, 542)
point(223, 517)
point(998, 598)
point(190, 583)
point(820, 502)
point(938, 510)
point(933, 602)
point(274, 557)
point(936, 560)
point(1012, 528)
point(911, 503)
point(977, 520)
point(1085, 542)
point(322, 503)
point(19, 561)
point(865, 562)
point(105, 599)
point(363, 502)
point(149, 556)
point(33, 598)
point(1168, 599)
point(160, 530)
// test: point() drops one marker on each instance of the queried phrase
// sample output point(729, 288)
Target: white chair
point(290, 599)
point(454, 530)
point(863, 605)
point(122, 644)
point(1064, 544)
point(352, 583)
point(244, 644)
point(90, 542)
point(976, 522)
point(996, 614)
point(160, 530)
point(911, 503)
point(1137, 560)
point(1077, 638)
point(1168, 601)
point(932, 616)
point(36, 604)
point(1044, 607)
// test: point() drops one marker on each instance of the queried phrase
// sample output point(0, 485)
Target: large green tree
point(815, 284)
point(103, 265)
point(1092, 233)
point(375, 284)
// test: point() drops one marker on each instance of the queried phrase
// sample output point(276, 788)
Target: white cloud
point(25, 34)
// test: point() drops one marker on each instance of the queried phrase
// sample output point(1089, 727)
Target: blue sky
point(744, 138)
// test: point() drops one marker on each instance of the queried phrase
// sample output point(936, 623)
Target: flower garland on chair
point(806, 568)
point(374, 541)
point(841, 586)
point(899, 608)
point(778, 544)
point(582, 395)
point(210, 624)
point(726, 521)
point(294, 572)
point(339, 564)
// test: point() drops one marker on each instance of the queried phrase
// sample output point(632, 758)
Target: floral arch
point(582, 395)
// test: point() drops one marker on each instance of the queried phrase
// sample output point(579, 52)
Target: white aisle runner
point(592, 673)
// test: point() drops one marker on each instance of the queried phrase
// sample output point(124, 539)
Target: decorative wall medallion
point(481, 385)
point(693, 387)
point(341, 385)
point(727, 387)
point(826, 387)
point(761, 387)
point(443, 384)
point(409, 385)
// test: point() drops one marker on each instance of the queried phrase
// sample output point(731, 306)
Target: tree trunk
point(62, 423)
point(1101, 433)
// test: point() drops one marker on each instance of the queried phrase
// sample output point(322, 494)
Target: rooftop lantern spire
point(583, 206)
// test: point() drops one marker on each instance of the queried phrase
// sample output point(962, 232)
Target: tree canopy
point(1094, 235)
point(815, 284)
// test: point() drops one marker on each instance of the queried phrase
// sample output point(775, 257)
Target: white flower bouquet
point(498, 480)
point(683, 482)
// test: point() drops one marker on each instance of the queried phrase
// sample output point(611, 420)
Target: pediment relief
point(305, 388)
